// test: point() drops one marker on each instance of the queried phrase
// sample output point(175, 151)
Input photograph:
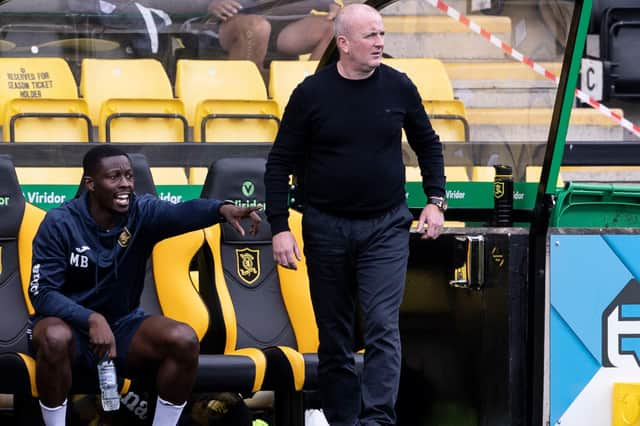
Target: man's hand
point(224, 9)
point(233, 214)
point(434, 218)
point(101, 337)
point(285, 250)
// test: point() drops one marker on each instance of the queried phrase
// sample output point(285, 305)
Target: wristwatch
point(440, 202)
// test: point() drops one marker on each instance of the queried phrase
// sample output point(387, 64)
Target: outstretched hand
point(232, 214)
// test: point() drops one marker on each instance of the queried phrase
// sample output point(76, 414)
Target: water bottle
point(108, 385)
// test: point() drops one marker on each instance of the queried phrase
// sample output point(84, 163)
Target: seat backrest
point(18, 226)
point(239, 281)
point(428, 74)
point(229, 120)
point(449, 119)
point(284, 76)
point(199, 80)
point(142, 120)
point(46, 120)
point(102, 79)
point(30, 78)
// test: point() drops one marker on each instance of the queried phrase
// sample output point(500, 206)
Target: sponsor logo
point(248, 188)
point(248, 264)
point(82, 249)
point(124, 237)
point(621, 329)
point(35, 279)
point(4, 200)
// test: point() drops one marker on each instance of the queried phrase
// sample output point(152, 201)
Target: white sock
point(56, 416)
point(167, 414)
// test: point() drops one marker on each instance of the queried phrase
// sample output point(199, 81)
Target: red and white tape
point(509, 50)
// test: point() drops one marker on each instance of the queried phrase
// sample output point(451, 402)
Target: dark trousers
point(352, 260)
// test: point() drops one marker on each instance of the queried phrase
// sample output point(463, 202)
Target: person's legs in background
point(245, 37)
point(307, 35)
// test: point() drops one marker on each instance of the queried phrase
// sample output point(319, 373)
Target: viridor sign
point(464, 195)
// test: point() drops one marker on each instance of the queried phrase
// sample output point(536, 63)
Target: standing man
point(342, 130)
point(89, 262)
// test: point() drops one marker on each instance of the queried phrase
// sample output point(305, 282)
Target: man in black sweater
point(341, 131)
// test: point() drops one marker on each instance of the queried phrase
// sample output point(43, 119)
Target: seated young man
point(89, 261)
point(245, 29)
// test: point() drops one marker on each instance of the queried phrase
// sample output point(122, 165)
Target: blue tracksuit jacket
point(79, 268)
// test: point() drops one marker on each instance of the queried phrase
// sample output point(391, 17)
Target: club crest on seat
point(248, 264)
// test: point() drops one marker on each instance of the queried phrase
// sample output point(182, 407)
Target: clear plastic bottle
point(108, 385)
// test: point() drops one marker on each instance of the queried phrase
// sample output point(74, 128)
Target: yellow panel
point(212, 236)
point(498, 70)
point(449, 129)
point(30, 363)
point(102, 79)
point(428, 74)
point(143, 129)
point(169, 176)
point(532, 174)
point(31, 220)
point(284, 76)
point(296, 295)
point(199, 80)
point(237, 129)
point(260, 361)
point(46, 129)
point(537, 116)
point(49, 175)
point(296, 361)
point(443, 24)
point(453, 174)
point(625, 408)
point(483, 174)
point(32, 78)
point(176, 295)
point(197, 175)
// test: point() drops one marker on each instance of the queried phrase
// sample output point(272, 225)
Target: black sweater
point(346, 137)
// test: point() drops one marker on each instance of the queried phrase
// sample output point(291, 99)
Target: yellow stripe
point(503, 71)
point(260, 361)
point(30, 363)
point(536, 116)
point(31, 219)
point(126, 384)
point(212, 235)
point(296, 360)
point(443, 24)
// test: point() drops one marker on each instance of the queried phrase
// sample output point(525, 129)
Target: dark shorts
point(123, 330)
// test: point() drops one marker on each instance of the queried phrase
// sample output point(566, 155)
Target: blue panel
point(627, 248)
point(585, 276)
point(631, 345)
point(571, 366)
point(629, 311)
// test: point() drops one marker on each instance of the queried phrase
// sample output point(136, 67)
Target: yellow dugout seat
point(284, 76)
point(228, 120)
point(263, 305)
point(449, 119)
point(201, 80)
point(428, 74)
